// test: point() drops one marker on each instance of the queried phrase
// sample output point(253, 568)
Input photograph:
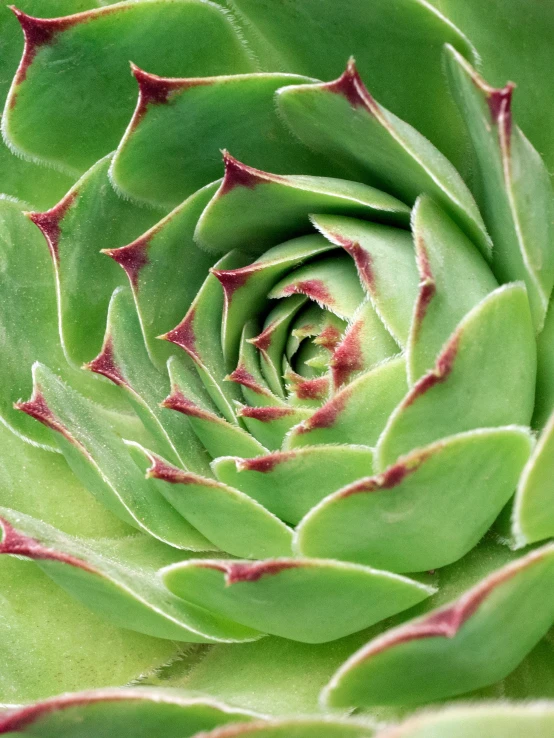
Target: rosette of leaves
point(329, 485)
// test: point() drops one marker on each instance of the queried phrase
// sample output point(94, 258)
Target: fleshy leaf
point(166, 255)
point(90, 217)
point(315, 727)
point(516, 194)
point(155, 160)
point(218, 435)
point(232, 520)
point(544, 398)
point(392, 154)
point(307, 600)
point(358, 412)
point(498, 720)
point(265, 208)
point(533, 512)
point(426, 511)
point(86, 58)
point(117, 579)
point(140, 713)
point(124, 360)
point(331, 282)
point(398, 48)
point(199, 334)
point(290, 483)
point(475, 641)
point(384, 257)
point(100, 459)
point(246, 289)
point(483, 377)
point(453, 276)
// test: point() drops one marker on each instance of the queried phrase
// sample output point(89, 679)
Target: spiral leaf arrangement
point(312, 474)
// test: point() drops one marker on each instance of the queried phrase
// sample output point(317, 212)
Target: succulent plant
point(328, 487)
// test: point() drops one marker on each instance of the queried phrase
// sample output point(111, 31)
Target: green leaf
point(246, 289)
point(544, 399)
point(475, 641)
point(516, 196)
point(218, 435)
point(366, 343)
point(124, 360)
point(290, 483)
point(232, 520)
point(298, 728)
point(28, 323)
point(254, 209)
point(476, 721)
point(426, 511)
point(117, 579)
point(126, 712)
point(90, 217)
point(307, 600)
point(387, 151)
point(533, 512)
point(384, 257)
point(85, 58)
point(454, 277)
point(331, 282)
point(483, 377)
point(397, 46)
point(156, 162)
point(358, 412)
point(199, 334)
point(52, 644)
point(101, 460)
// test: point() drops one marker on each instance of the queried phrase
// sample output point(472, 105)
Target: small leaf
point(232, 520)
point(358, 412)
point(290, 483)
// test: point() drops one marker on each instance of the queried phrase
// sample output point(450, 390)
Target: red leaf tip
point(351, 87)
point(132, 258)
point(49, 223)
point(106, 365)
point(238, 174)
point(250, 571)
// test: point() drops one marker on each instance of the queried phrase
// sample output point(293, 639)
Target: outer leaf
point(297, 728)
point(100, 459)
point(117, 579)
point(512, 176)
point(397, 45)
point(496, 623)
point(390, 152)
point(155, 160)
point(126, 712)
point(307, 600)
point(90, 217)
point(427, 510)
point(533, 720)
point(103, 41)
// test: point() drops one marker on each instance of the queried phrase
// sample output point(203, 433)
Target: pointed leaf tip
point(351, 87)
point(49, 222)
point(106, 365)
point(132, 258)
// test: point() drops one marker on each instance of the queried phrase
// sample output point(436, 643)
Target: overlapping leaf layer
point(276, 422)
